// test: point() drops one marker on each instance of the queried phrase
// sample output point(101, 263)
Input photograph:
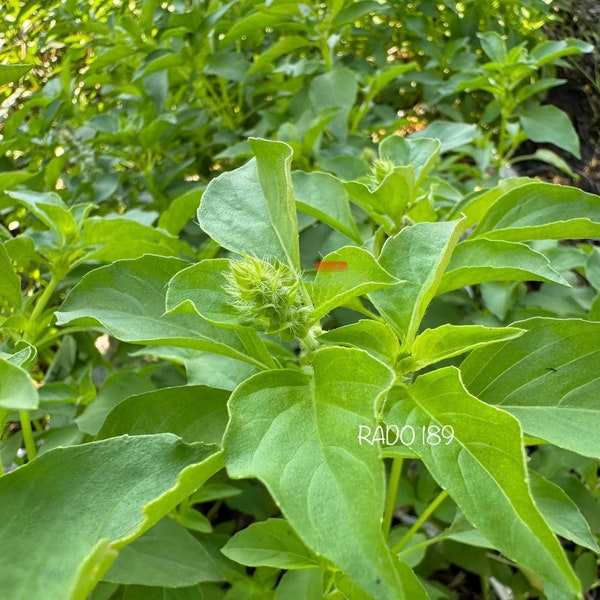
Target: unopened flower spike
point(270, 296)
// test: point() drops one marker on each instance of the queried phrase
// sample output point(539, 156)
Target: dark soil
point(579, 97)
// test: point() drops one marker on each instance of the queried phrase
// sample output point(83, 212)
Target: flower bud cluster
point(270, 296)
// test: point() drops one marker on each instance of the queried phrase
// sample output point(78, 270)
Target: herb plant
point(333, 366)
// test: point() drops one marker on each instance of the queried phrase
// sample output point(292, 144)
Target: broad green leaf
point(145, 592)
point(548, 378)
point(252, 209)
point(200, 289)
point(167, 555)
point(479, 260)
point(293, 431)
point(9, 179)
point(483, 469)
point(324, 197)
point(358, 274)
point(354, 11)
point(195, 413)
point(270, 543)
point(550, 124)
point(217, 371)
point(539, 211)
point(421, 154)
point(561, 513)
point(118, 386)
point(378, 339)
point(549, 50)
point(24, 355)
point(107, 239)
point(418, 255)
point(127, 299)
point(475, 205)
point(450, 135)
point(446, 341)
point(10, 73)
point(17, 390)
point(10, 284)
point(50, 209)
point(123, 487)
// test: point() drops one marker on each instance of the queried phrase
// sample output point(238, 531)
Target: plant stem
point(44, 298)
point(256, 349)
point(27, 434)
point(421, 520)
point(392, 491)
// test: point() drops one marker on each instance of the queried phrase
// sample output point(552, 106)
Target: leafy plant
point(256, 344)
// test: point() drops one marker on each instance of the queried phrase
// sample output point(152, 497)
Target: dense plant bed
point(276, 319)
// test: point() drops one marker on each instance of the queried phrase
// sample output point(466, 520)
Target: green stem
point(425, 544)
point(44, 299)
point(27, 434)
point(392, 491)
point(421, 520)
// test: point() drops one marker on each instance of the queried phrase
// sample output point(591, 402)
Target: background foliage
point(187, 432)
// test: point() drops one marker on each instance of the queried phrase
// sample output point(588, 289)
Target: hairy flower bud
point(270, 296)
point(380, 169)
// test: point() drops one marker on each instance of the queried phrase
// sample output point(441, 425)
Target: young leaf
point(418, 255)
point(538, 211)
point(482, 468)
point(547, 378)
point(293, 432)
point(252, 209)
point(10, 73)
point(124, 485)
point(360, 274)
point(127, 299)
point(270, 543)
point(324, 197)
point(195, 413)
point(561, 513)
point(479, 260)
point(446, 341)
point(420, 154)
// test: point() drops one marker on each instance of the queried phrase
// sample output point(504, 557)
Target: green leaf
point(324, 197)
point(421, 154)
point(483, 469)
point(107, 239)
point(549, 50)
point(479, 260)
point(127, 299)
point(17, 390)
point(50, 209)
point(195, 413)
point(10, 73)
point(123, 486)
point(270, 543)
point(200, 289)
point(561, 513)
point(538, 211)
point(418, 255)
point(252, 209)
point(300, 585)
point(446, 341)
point(10, 284)
point(378, 339)
point(359, 274)
point(547, 378)
point(552, 125)
point(284, 46)
point(293, 432)
point(118, 386)
point(181, 211)
point(494, 46)
point(167, 556)
point(450, 135)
